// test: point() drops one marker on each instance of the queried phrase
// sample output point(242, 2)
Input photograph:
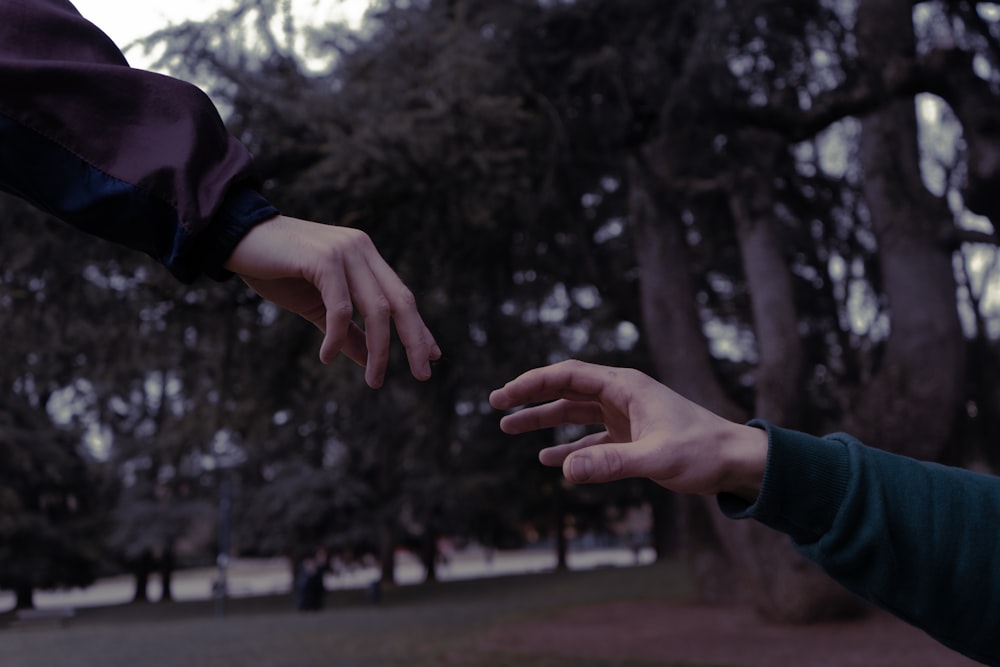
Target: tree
point(54, 505)
point(117, 351)
point(443, 143)
point(746, 181)
point(50, 513)
point(905, 398)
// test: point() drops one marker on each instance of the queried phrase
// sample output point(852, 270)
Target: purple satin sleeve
point(135, 157)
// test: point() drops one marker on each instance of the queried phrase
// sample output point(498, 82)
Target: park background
point(779, 209)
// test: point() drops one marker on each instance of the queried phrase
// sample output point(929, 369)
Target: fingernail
point(579, 468)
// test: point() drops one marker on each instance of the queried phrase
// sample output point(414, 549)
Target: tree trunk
point(167, 564)
point(679, 350)
point(911, 404)
point(778, 375)
point(559, 527)
point(731, 559)
point(562, 544)
point(24, 597)
point(387, 553)
point(672, 325)
point(665, 526)
point(680, 354)
point(429, 555)
point(142, 568)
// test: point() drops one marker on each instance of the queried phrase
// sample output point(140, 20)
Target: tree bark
point(559, 527)
point(672, 325)
point(429, 555)
point(387, 542)
point(911, 404)
point(141, 570)
point(24, 597)
point(679, 351)
point(167, 563)
point(665, 539)
point(778, 375)
point(387, 553)
point(731, 559)
point(783, 585)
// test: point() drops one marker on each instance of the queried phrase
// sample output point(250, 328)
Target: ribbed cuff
point(805, 481)
point(240, 211)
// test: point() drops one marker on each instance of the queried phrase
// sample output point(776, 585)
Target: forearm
point(915, 538)
point(745, 461)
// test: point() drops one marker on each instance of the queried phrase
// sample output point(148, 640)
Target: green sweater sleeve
point(918, 539)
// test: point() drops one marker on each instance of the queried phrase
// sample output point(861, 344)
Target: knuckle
point(406, 298)
point(342, 309)
point(378, 307)
point(348, 241)
point(613, 463)
point(314, 313)
point(334, 253)
point(358, 239)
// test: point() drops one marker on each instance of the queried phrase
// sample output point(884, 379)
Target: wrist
point(241, 211)
point(256, 247)
point(746, 453)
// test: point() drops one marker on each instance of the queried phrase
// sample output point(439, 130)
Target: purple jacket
point(134, 157)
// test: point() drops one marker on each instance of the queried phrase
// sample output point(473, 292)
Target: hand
point(323, 273)
point(650, 431)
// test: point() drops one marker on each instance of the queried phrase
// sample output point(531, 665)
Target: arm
point(145, 161)
point(917, 539)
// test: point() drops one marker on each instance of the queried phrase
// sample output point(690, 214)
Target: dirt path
point(672, 631)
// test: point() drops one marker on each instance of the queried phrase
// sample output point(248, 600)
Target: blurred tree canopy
point(781, 210)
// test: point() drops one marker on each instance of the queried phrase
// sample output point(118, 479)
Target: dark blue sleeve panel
point(918, 539)
point(134, 157)
point(60, 183)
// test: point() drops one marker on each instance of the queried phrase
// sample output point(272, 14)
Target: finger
point(549, 415)
point(353, 342)
point(355, 348)
point(566, 379)
point(607, 462)
point(336, 296)
point(375, 310)
point(417, 339)
point(554, 456)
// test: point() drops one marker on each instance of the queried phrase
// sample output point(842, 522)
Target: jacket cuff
point(805, 482)
point(241, 210)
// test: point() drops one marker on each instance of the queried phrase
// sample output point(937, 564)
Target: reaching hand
point(323, 273)
point(651, 431)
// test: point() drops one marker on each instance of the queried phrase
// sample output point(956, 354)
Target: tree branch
point(960, 236)
point(899, 79)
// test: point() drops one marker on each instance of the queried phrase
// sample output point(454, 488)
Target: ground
point(603, 617)
point(672, 632)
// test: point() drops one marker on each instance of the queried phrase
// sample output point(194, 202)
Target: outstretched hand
point(650, 431)
point(323, 273)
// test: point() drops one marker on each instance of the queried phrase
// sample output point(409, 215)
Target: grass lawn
point(417, 626)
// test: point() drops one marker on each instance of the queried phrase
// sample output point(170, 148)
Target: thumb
point(603, 463)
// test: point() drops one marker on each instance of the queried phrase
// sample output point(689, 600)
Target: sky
point(125, 22)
